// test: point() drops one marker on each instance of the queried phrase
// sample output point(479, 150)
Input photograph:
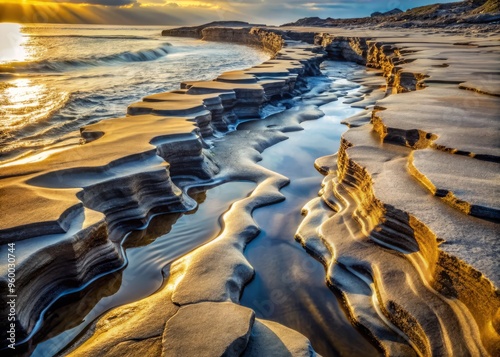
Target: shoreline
point(360, 175)
point(382, 55)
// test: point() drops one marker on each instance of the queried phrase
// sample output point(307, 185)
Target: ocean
point(55, 79)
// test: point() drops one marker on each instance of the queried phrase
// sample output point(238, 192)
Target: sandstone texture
point(197, 321)
point(407, 222)
point(204, 287)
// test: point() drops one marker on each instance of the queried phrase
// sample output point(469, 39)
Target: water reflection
point(13, 44)
point(55, 79)
point(25, 103)
point(149, 252)
point(71, 313)
point(289, 284)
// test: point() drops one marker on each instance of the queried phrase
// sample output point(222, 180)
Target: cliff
point(196, 31)
point(269, 39)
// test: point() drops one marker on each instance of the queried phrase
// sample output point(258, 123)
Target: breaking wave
point(63, 65)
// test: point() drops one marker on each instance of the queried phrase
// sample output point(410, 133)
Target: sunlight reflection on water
point(12, 46)
point(24, 102)
point(55, 79)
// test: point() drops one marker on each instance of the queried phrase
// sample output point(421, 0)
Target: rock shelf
point(408, 266)
point(84, 198)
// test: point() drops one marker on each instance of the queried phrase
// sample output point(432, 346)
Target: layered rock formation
point(398, 257)
point(204, 287)
point(83, 199)
point(405, 201)
point(196, 31)
point(409, 267)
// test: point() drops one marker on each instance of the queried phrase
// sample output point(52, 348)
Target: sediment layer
point(204, 287)
point(389, 246)
point(407, 221)
point(195, 31)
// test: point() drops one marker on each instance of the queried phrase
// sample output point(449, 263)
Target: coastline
point(449, 277)
point(375, 153)
point(142, 171)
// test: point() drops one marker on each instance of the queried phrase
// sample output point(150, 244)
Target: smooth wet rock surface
point(216, 329)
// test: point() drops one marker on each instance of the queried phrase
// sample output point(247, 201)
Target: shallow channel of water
point(289, 285)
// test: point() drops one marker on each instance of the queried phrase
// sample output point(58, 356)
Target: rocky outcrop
point(343, 48)
point(87, 197)
point(394, 235)
point(375, 244)
point(196, 31)
point(485, 6)
point(197, 321)
point(476, 15)
point(383, 56)
point(387, 13)
point(399, 258)
point(470, 192)
point(269, 39)
point(203, 289)
point(389, 248)
point(255, 37)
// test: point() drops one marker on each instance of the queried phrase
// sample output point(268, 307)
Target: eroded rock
point(209, 329)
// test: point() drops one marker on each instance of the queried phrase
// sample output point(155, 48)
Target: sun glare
point(33, 11)
point(12, 48)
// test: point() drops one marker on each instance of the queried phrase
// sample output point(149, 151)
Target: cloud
point(195, 12)
point(96, 2)
point(164, 15)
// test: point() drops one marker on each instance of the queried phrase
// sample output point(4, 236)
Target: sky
point(190, 12)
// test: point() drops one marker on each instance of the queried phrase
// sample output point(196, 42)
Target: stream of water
point(289, 285)
point(149, 252)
